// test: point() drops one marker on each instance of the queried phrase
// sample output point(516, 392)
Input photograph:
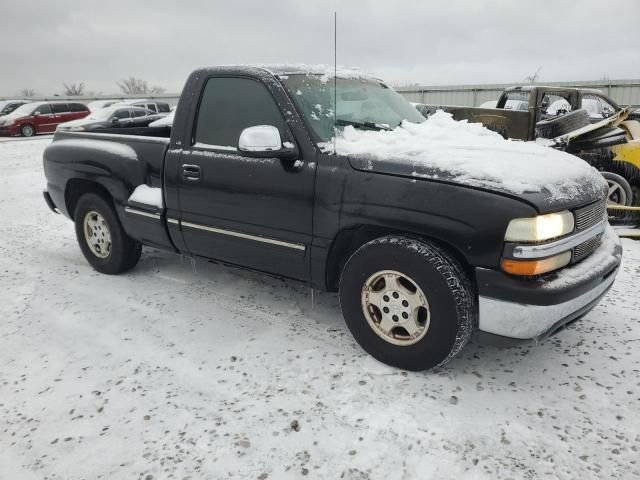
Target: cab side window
point(44, 109)
point(229, 105)
point(78, 107)
point(124, 113)
point(60, 108)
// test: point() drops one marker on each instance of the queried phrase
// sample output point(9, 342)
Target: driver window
point(229, 105)
point(124, 113)
point(44, 110)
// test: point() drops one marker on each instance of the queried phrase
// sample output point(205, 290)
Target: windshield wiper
point(363, 125)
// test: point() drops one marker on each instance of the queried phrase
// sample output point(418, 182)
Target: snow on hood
point(468, 153)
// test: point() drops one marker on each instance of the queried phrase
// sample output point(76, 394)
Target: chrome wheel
point(27, 131)
point(97, 234)
point(617, 194)
point(395, 307)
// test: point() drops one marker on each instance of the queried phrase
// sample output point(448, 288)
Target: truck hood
point(444, 150)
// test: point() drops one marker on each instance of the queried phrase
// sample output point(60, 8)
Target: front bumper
point(9, 130)
point(513, 310)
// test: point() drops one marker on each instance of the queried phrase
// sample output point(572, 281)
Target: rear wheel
point(27, 131)
point(103, 241)
point(407, 302)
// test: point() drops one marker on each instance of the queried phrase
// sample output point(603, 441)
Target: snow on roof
point(473, 155)
point(283, 69)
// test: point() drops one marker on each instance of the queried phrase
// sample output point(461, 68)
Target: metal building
point(623, 92)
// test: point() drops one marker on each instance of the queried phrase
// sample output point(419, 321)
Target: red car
point(40, 117)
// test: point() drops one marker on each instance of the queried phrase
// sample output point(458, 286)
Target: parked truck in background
point(247, 177)
point(585, 122)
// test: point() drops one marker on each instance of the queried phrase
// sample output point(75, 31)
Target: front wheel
point(27, 131)
point(407, 302)
point(103, 241)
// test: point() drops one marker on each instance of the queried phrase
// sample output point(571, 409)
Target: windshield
point(362, 103)
point(24, 110)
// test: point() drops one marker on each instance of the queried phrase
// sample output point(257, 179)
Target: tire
point(447, 323)
point(27, 130)
point(554, 127)
point(620, 192)
point(105, 245)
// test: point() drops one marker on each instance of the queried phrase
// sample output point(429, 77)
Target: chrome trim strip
point(232, 233)
point(559, 246)
point(173, 221)
point(140, 212)
point(207, 146)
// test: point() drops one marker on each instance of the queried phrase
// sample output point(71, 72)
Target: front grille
point(590, 215)
point(586, 248)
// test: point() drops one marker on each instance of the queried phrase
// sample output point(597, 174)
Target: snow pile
point(147, 196)
point(471, 154)
point(85, 143)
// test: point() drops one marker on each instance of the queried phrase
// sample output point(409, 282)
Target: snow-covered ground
point(182, 371)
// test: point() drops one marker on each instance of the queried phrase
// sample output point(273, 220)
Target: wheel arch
point(348, 240)
point(77, 187)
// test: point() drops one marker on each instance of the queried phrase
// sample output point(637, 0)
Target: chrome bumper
point(592, 277)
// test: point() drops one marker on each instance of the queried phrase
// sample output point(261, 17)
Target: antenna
point(335, 79)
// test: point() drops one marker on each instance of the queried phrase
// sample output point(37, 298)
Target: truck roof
point(280, 69)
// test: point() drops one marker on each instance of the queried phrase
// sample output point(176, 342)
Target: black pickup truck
point(247, 176)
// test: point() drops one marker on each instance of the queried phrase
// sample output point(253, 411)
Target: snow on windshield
point(472, 155)
point(24, 110)
point(361, 100)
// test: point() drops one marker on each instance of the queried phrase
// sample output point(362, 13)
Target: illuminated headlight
point(540, 228)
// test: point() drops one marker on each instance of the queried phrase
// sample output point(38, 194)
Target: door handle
point(191, 173)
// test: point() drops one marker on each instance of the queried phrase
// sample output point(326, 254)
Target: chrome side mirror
point(261, 138)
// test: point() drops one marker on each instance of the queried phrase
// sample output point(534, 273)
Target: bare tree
point(137, 86)
point(73, 89)
point(27, 92)
point(533, 78)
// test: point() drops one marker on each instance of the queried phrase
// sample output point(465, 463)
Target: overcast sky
point(46, 43)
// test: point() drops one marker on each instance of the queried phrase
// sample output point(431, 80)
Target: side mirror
point(36, 114)
point(264, 141)
point(115, 121)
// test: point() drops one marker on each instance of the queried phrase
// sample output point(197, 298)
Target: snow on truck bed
point(474, 156)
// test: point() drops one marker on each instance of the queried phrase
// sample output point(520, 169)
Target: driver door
point(254, 212)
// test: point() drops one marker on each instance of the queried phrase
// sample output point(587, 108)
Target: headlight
point(540, 228)
point(6, 123)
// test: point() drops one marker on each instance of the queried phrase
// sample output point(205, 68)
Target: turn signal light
point(535, 267)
